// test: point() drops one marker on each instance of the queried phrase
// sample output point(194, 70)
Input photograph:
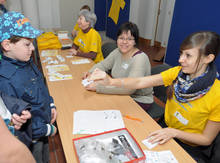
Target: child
point(19, 77)
point(192, 112)
point(15, 113)
point(76, 27)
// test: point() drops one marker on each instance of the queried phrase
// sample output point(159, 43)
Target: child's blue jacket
point(23, 80)
point(15, 105)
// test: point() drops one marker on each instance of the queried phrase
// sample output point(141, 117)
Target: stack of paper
point(159, 157)
point(64, 39)
point(80, 61)
point(93, 122)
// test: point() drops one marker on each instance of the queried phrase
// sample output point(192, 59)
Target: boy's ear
point(6, 44)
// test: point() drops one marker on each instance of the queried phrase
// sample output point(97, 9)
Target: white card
point(85, 82)
point(148, 144)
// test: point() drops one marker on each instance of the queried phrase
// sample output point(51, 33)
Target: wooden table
point(70, 96)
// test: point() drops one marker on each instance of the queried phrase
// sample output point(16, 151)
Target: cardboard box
point(114, 146)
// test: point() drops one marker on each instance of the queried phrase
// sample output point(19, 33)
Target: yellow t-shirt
point(191, 116)
point(76, 27)
point(90, 41)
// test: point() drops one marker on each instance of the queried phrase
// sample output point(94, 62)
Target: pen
point(132, 118)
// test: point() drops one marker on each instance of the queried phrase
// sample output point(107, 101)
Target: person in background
point(2, 7)
point(125, 61)
point(88, 42)
point(76, 27)
point(12, 150)
point(20, 78)
point(192, 112)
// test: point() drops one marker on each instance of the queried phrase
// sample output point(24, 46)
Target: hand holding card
point(86, 82)
point(98, 74)
point(148, 144)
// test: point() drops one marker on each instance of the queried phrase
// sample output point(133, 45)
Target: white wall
point(141, 13)
point(42, 13)
point(14, 5)
point(144, 14)
point(60, 13)
point(164, 22)
point(69, 10)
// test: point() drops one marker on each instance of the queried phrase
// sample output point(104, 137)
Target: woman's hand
point(72, 51)
point(91, 87)
point(100, 76)
point(163, 135)
point(86, 75)
point(18, 121)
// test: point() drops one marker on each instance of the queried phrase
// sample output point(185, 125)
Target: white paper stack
point(159, 157)
point(93, 122)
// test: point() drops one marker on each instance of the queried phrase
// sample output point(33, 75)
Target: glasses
point(125, 39)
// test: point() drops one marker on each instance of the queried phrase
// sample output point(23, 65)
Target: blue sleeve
point(14, 105)
point(39, 126)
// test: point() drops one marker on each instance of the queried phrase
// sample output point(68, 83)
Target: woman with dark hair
point(126, 61)
point(192, 113)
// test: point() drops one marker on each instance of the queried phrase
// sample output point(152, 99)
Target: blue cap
point(16, 24)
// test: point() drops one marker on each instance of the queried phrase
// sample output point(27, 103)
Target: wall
point(144, 14)
point(42, 13)
point(141, 13)
point(190, 17)
point(164, 21)
point(69, 10)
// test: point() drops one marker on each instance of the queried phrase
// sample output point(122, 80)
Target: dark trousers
point(202, 154)
point(40, 150)
point(144, 105)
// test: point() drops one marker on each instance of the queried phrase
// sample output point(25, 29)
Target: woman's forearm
point(91, 55)
point(197, 139)
point(137, 83)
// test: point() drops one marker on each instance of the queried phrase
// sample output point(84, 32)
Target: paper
point(69, 56)
point(60, 58)
point(55, 76)
point(80, 61)
point(85, 82)
point(93, 122)
point(63, 34)
point(160, 157)
point(56, 68)
point(148, 144)
point(49, 53)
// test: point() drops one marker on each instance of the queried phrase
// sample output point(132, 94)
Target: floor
point(56, 150)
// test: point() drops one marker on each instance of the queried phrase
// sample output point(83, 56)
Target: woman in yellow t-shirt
point(192, 112)
point(88, 42)
point(76, 27)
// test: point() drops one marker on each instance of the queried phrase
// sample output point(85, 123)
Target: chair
point(156, 111)
point(160, 91)
point(107, 48)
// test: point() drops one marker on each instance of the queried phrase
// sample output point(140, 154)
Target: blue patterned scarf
point(187, 90)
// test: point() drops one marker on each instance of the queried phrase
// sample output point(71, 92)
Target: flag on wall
point(115, 9)
point(110, 15)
